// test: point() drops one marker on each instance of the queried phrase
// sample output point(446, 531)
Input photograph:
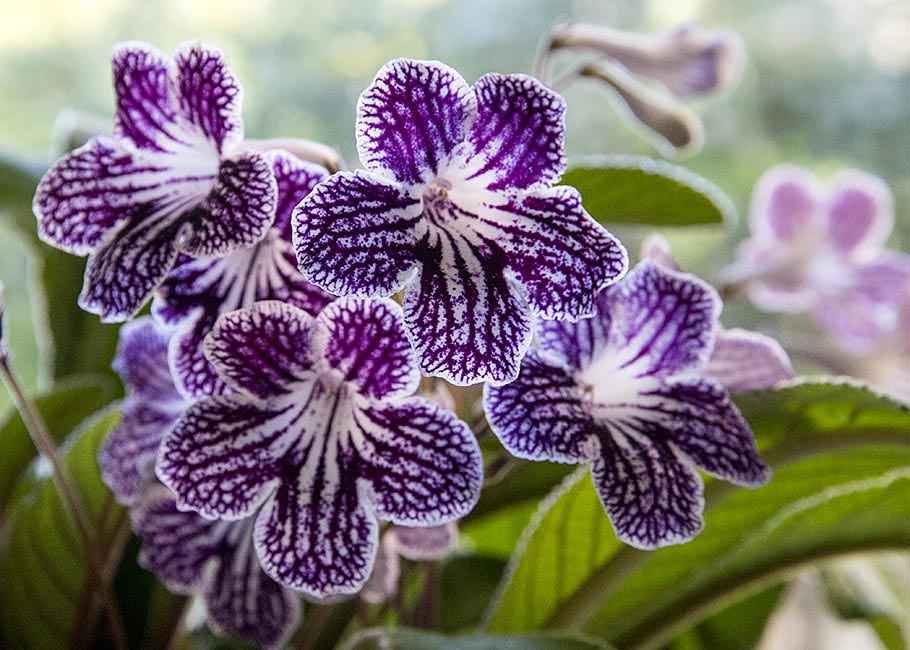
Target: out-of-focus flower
point(169, 182)
point(626, 392)
point(822, 252)
point(457, 208)
point(325, 436)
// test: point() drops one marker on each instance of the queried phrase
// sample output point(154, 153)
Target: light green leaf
point(419, 640)
point(841, 458)
point(18, 179)
point(645, 192)
point(44, 603)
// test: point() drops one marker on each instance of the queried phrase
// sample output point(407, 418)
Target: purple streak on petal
point(242, 601)
point(295, 179)
point(176, 545)
point(355, 235)
point(222, 457)
point(578, 344)
point(146, 113)
point(539, 416)
point(466, 320)
point(430, 543)
point(785, 204)
point(519, 134)
point(697, 416)
point(744, 360)
point(860, 212)
point(263, 350)
point(652, 496)
point(560, 254)
point(135, 258)
point(383, 582)
point(367, 344)
point(238, 211)
point(208, 94)
point(663, 322)
point(141, 361)
point(422, 464)
point(411, 118)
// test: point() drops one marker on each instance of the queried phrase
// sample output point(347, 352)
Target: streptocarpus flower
point(324, 437)
point(194, 555)
point(823, 252)
point(456, 208)
point(151, 407)
point(171, 180)
point(625, 392)
point(197, 291)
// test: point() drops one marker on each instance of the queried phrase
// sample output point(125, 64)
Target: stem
point(43, 441)
point(428, 607)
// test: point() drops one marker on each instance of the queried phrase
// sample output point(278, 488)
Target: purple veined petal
point(146, 115)
point(208, 94)
point(238, 211)
point(467, 320)
point(411, 119)
point(698, 417)
point(578, 343)
point(176, 545)
point(559, 253)
point(134, 259)
point(786, 204)
point(518, 138)
point(420, 465)
point(198, 291)
point(355, 234)
point(744, 361)
point(295, 179)
point(366, 344)
point(540, 416)
point(263, 350)
point(141, 360)
point(860, 212)
point(241, 600)
point(429, 543)
point(663, 322)
point(382, 584)
point(222, 458)
point(653, 497)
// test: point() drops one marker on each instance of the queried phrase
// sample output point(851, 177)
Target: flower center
point(610, 390)
point(437, 205)
point(332, 379)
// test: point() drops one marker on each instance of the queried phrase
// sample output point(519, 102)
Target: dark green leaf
point(418, 640)
point(468, 583)
point(18, 179)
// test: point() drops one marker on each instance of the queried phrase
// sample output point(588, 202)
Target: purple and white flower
point(197, 291)
point(323, 437)
point(456, 207)
point(171, 181)
point(152, 406)
point(215, 559)
point(626, 392)
point(822, 252)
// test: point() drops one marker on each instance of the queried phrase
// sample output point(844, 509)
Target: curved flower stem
point(428, 607)
point(43, 441)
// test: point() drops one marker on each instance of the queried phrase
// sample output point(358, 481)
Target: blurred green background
point(827, 86)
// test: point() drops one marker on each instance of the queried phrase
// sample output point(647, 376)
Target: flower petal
point(411, 118)
point(264, 349)
point(785, 203)
point(367, 344)
point(560, 254)
point(422, 464)
point(652, 496)
point(222, 457)
point(295, 179)
point(744, 360)
point(518, 137)
point(698, 417)
point(141, 361)
point(539, 416)
point(383, 582)
point(663, 321)
point(578, 343)
point(238, 211)
point(208, 94)
point(123, 272)
point(242, 601)
point(466, 320)
point(426, 543)
point(860, 211)
point(355, 235)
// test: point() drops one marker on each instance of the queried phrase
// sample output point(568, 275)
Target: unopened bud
point(72, 129)
point(308, 150)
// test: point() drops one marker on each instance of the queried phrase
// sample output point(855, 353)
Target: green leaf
point(419, 640)
point(468, 583)
point(43, 603)
point(18, 179)
point(66, 406)
point(841, 484)
point(645, 192)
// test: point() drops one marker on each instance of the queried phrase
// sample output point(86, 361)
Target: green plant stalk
point(43, 441)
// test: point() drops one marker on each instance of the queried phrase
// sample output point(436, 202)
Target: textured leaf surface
point(417, 640)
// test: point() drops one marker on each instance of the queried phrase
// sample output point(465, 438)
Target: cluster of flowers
point(269, 426)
